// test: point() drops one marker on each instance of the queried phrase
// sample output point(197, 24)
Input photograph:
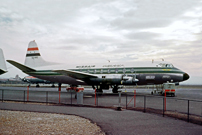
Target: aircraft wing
point(21, 67)
point(76, 74)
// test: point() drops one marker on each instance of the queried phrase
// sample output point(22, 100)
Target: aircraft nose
point(185, 76)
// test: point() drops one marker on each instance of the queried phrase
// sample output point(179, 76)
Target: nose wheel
point(115, 89)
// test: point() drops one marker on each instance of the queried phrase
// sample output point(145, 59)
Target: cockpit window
point(165, 65)
point(169, 65)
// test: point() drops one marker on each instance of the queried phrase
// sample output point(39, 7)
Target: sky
point(93, 31)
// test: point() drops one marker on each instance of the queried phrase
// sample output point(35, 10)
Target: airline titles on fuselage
point(92, 66)
point(86, 66)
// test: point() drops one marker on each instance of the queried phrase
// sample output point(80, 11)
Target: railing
point(189, 110)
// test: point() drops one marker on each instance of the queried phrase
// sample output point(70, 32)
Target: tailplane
point(3, 68)
point(33, 56)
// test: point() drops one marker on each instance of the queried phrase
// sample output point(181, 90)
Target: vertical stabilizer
point(3, 68)
point(33, 56)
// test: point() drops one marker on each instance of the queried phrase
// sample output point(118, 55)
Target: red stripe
point(33, 49)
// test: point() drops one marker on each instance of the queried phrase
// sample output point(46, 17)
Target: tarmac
point(114, 122)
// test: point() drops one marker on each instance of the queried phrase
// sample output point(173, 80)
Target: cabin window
point(116, 70)
point(131, 70)
point(108, 70)
point(124, 70)
point(105, 71)
point(91, 71)
point(101, 71)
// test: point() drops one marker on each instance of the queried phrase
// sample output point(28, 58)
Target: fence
point(189, 110)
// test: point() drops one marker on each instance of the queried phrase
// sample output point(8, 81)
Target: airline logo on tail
point(33, 50)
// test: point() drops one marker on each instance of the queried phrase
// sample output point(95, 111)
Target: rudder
point(33, 56)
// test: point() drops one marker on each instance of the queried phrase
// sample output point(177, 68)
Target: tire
point(115, 90)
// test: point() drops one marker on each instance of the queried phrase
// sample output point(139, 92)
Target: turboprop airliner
point(100, 77)
point(3, 68)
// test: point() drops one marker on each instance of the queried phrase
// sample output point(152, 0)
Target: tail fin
point(3, 68)
point(33, 56)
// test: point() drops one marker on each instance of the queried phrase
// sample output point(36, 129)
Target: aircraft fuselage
point(117, 76)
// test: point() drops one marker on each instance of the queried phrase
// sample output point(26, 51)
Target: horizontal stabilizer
point(21, 67)
point(75, 74)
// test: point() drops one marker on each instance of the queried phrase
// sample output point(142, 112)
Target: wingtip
point(10, 61)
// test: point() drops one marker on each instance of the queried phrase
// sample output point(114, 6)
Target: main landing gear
point(100, 88)
point(37, 85)
point(115, 89)
point(59, 86)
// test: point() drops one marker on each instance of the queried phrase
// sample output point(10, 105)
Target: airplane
point(100, 77)
point(3, 68)
point(16, 79)
point(34, 80)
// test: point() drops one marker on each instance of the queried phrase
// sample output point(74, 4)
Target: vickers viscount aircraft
point(100, 77)
point(3, 68)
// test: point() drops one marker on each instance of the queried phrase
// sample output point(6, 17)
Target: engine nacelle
point(115, 79)
point(126, 78)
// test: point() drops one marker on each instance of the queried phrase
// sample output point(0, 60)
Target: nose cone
point(185, 76)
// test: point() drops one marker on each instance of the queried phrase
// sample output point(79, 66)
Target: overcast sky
point(83, 31)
